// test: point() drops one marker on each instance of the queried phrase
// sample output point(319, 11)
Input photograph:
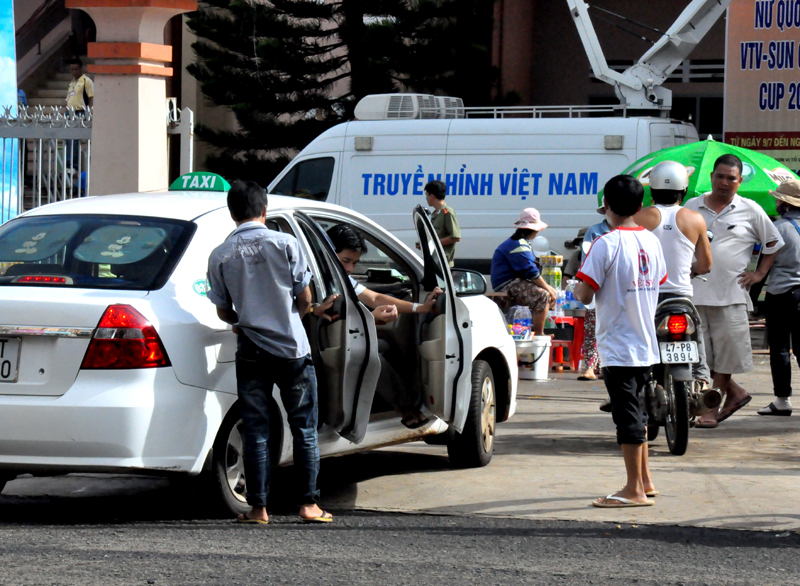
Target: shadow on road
point(97, 499)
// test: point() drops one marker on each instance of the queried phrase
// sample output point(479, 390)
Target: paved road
point(84, 545)
point(559, 453)
point(524, 519)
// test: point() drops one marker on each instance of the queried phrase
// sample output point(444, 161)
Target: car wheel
point(227, 466)
point(226, 477)
point(472, 448)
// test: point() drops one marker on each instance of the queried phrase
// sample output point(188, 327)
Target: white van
point(493, 168)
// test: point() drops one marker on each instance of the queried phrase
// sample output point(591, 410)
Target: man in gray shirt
point(722, 302)
point(782, 302)
point(259, 282)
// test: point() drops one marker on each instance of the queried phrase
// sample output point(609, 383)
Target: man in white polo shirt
point(722, 302)
point(624, 270)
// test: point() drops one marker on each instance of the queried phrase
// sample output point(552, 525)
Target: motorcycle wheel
point(677, 425)
point(651, 403)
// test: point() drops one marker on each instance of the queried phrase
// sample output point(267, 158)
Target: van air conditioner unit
point(408, 107)
point(450, 107)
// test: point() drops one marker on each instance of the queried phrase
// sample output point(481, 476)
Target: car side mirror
point(468, 282)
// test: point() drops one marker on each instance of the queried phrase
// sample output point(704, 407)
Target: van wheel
point(473, 447)
point(227, 479)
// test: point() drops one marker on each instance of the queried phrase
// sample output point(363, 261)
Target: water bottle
point(527, 321)
point(559, 309)
point(569, 295)
point(519, 325)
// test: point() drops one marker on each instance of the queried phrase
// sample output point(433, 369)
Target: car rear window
point(95, 252)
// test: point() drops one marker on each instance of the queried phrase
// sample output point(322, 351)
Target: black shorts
point(625, 385)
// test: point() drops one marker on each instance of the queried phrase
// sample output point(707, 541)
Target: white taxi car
point(112, 359)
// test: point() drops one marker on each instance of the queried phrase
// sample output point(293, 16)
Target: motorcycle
point(672, 397)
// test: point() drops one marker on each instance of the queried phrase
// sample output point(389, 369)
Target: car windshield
point(95, 252)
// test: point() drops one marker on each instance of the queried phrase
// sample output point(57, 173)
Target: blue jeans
point(257, 371)
point(72, 152)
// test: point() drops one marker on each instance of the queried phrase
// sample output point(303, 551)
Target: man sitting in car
point(349, 245)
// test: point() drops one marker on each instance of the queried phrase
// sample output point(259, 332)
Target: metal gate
point(45, 157)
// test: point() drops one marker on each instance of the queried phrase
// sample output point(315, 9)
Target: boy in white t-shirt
point(623, 270)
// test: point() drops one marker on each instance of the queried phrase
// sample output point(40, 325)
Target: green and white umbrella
point(761, 173)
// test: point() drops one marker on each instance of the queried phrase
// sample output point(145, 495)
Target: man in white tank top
point(683, 238)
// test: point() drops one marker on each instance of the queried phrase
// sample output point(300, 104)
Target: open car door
point(444, 336)
point(348, 346)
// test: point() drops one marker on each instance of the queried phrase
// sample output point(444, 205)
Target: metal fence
point(46, 154)
point(49, 149)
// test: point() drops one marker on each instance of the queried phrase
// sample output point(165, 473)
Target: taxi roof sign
point(200, 181)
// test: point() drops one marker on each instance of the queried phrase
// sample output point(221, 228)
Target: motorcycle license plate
point(679, 352)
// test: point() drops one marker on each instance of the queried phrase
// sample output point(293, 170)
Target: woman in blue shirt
point(514, 270)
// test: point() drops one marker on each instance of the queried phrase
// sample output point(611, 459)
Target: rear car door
point(445, 336)
point(348, 346)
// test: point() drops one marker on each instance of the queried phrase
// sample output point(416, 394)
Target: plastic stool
point(574, 347)
point(557, 360)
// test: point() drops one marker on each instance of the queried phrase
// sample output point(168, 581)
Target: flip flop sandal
point(771, 409)
point(325, 517)
point(706, 425)
point(587, 378)
point(414, 421)
point(622, 503)
point(652, 493)
point(735, 408)
point(245, 519)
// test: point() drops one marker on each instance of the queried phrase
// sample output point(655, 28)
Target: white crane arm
point(639, 86)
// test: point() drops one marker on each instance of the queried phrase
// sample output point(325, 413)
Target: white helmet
point(669, 175)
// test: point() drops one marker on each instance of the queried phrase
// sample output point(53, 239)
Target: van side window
point(309, 179)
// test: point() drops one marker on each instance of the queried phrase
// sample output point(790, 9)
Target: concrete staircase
point(53, 91)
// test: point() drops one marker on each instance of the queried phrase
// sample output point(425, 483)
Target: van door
point(444, 336)
point(348, 347)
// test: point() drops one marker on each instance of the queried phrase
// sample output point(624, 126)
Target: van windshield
point(95, 252)
point(309, 179)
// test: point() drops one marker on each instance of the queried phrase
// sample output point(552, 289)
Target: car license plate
point(679, 352)
point(9, 359)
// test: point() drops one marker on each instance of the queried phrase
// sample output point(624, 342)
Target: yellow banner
point(762, 78)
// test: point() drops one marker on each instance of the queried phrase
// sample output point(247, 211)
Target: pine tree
point(275, 63)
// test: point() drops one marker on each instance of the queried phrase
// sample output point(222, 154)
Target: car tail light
point(125, 339)
point(42, 279)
